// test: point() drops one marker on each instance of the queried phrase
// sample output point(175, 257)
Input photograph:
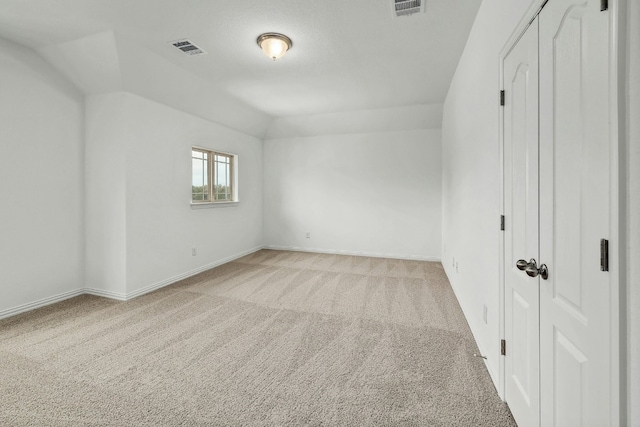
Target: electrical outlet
point(308, 234)
point(194, 252)
point(484, 313)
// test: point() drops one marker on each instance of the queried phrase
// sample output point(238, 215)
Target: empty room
point(296, 213)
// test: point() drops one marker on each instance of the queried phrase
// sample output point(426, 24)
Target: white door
point(575, 193)
point(557, 189)
point(521, 228)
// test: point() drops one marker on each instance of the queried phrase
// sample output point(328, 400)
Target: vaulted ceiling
point(346, 55)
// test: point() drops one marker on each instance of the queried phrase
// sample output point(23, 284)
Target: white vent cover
point(188, 47)
point(408, 7)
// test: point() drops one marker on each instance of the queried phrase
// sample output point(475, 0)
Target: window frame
point(211, 181)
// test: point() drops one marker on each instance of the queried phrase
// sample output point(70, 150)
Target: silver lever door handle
point(522, 264)
point(533, 270)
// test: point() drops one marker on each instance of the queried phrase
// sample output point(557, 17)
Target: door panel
point(568, 63)
point(570, 381)
point(521, 227)
point(521, 359)
point(574, 213)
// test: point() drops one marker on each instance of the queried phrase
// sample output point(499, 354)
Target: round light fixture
point(274, 45)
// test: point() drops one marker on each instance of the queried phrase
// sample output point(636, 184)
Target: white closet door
point(521, 228)
point(574, 213)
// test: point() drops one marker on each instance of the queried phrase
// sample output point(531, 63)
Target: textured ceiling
point(346, 55)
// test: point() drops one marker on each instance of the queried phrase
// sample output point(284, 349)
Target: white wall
point(105, 194)
point(471, 178)
point(41, 186)
point(161, 226)
point(633, 208)
point(145, 238)
point(375, 193)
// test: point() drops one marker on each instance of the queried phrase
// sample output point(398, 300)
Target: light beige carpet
point(272, 339)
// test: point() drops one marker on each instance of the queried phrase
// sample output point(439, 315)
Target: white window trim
point(209, 205)
point(234, 187)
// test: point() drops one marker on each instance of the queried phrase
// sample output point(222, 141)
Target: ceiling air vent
point(188, 47)
point(408, 7)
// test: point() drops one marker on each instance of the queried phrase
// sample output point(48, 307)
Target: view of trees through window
point(222, 174)
point(200, 180)
point(212, 176)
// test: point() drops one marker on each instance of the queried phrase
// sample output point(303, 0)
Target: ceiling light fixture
point(274, 45)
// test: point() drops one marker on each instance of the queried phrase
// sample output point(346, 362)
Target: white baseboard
point(353, 253)
point(40, 303)
point(150, 288)
point(474, 331)
point(174, 279)
point(105, 294)
point(118, 295)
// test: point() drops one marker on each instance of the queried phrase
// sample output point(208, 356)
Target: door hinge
point(604, 255)
point(501, 222)
point(501, 98)
point(503, 347)
point(604, 5)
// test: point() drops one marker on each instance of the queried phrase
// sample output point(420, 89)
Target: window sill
point(209, 205)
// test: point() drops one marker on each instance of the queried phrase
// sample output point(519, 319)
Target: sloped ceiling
point(108, 62)
point(358, 121)
point(346, 55)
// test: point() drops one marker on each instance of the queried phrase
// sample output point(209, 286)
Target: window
point(213, 176)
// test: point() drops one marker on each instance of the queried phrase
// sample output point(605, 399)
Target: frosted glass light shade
point(274, 45)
